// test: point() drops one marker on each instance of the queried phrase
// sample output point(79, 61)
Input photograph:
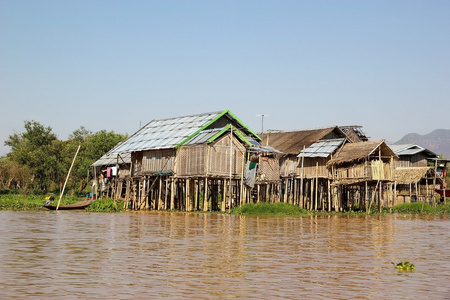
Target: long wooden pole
point(67, 177)
point(231, 161)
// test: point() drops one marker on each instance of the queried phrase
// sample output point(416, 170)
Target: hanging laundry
point(250, 174)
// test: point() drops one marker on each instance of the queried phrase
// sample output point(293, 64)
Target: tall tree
point(38, 149)
point(93, 146)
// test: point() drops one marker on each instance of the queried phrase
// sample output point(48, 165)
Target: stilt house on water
point(416, 175)
point(187, 163)
point(305, 180)
point(360, 173)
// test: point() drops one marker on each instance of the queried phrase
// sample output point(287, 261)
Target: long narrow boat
point(78, 205)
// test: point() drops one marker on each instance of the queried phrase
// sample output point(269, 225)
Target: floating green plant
point(405, 266)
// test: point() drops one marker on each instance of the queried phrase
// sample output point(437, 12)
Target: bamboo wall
point(192, 161)
point(288, 165)
point(375, 170)
point(313, 167)
point(417, 160)
point(269, 169)
point(357, 171)
point(157, 161)
point(219, 158)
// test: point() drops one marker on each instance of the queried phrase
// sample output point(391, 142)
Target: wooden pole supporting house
point(147, 194)
point(302, 170)
point(188, 195)
point(192, 195)
point(317, 184)
point(206, 195)
point(172, 193)
point(166, 193)
point(258, 190)
point(231, 168)
point(322, 204)
point(224, 195)
point(285, 195)
point(366, 195)
point(196, 193)
point(329, 195)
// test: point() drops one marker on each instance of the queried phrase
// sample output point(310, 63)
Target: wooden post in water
point(67, 177)
point(317, 185)
point(231, 174)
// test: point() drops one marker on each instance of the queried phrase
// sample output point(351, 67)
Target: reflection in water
point(155, 255)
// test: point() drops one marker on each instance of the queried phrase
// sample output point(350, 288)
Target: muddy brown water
point(80, 255)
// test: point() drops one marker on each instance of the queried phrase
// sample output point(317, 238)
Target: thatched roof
point(414, 174)
point(292, 142)
point(353, 152)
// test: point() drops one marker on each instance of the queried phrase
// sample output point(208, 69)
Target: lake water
point(81, 255)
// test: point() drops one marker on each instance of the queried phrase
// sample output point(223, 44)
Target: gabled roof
point(292, 142)
point(322, 148)
point(175, 132)
point(412, 149)
point(353, 152)
point(112, 157)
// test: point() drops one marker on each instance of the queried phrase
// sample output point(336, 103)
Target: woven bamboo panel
point(158, 161)
point(269, 169)
point(124, 171)
point(219, 158)
point(192, 161)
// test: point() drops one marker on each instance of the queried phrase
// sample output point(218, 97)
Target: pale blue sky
point(384, 65)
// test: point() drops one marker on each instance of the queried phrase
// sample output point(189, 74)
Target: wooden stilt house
point(413, 184)
point(361, 172)
point(189, 163)
point(417, 174)
point(304, 178)
point(411, 155)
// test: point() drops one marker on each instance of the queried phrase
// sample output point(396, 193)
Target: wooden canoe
point(78, 205)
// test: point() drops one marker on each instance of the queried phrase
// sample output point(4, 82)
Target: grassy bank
point(421, 208)
point(17, 202)
point(270, 209)
point(29, 202)
point(105, 205)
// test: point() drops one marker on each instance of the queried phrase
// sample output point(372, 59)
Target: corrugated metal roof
point(111, 158)
point(411, 149)
point(173, 132)
point(322, 148)
point(203, 136)
point(166, 134)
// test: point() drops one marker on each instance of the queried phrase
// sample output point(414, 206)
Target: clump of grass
point(405, 266)
point(421, 208)
point(18, 202)
point(269, 209)
point(105, 205)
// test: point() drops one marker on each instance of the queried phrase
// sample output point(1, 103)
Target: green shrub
point(421, 208)
point(269, 209)
point(105, 205)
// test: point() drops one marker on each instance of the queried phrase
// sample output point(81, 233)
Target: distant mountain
point(437, 141)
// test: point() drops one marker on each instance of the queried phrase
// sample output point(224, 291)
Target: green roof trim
point(245, 126)
point(235, 130)
point(227, 111)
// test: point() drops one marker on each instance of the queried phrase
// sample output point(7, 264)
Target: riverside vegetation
point(12, 200)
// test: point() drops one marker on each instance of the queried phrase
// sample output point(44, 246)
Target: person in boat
point(48, 200)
